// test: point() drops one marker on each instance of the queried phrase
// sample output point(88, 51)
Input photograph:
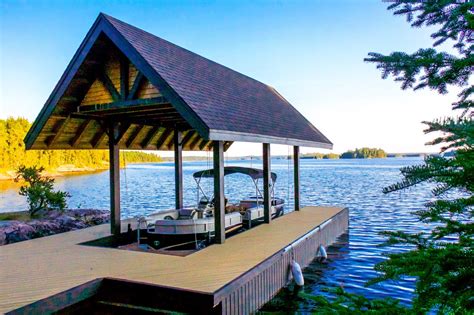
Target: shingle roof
point(224, 99)
point(215, 101)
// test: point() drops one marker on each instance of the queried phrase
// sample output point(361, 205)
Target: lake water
point(356, 184)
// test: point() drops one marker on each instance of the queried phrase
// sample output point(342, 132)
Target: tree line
point(13, 153)
point(362, 153)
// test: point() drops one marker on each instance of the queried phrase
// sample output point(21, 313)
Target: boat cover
point(254, 173)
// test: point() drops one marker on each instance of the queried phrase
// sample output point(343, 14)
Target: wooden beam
point(123, 128)
point(178, 168)
point(69, 99)
point(151, 134)
point(136, 86)
point(183, 126)
point(134, 135)
point(80, 133)
point(99, 137)
point(124, 68)
point(267, 188)
point(187, 137)
point(104, 78)
point(219, 198)
point(59, 117)
point(163, 137)
point(204, 144)
point(81, 81)
point(57, 131)
point(296, 177)
point(146, 110)
point(129, 104)
point(114, 165)
point(193, 145)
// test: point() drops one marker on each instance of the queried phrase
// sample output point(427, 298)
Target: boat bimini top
point(254, 173)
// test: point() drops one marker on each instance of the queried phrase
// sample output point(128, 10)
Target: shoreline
point(59, 172)
point(65, 170)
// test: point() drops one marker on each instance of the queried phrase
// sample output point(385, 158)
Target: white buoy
point(297, 273)
point(322, 254)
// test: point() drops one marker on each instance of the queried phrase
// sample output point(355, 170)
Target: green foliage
point(39, 191)
point(445, 277)
point(14, 155)
point(428, 67)
point(350, 304)
point(442, 260)
point(364, 153)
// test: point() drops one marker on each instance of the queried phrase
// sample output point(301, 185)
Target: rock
point(20, 232)
point(51, 222)
point(3, 238)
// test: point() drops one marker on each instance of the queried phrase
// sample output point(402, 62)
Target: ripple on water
point(356, 184)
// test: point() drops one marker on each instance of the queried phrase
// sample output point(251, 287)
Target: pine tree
point(444, 269)
point(443, 259)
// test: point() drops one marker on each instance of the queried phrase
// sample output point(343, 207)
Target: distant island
point(320, 156)
point(364, 153)
point(55, 162)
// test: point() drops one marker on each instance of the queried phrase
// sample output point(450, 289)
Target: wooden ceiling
point(108, 88)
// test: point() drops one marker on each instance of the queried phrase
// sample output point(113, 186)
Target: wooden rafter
point(80, 133)
point(123, 128)
point(124, 69)
point(134, 135)
point(163, 137)
point(188, 137)
point(98, 138)
point(57, 131)
point(193, 145)
point(136, 86)
point(69, 99)
point(151, 134)
point(104, 78)
point(204, 144)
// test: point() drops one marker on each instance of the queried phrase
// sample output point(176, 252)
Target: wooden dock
point(236, 277)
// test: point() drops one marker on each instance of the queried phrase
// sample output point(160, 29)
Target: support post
point(219, 199)
point(296, 176)
point(178, 168)
point(267, 184)
point(114, 164)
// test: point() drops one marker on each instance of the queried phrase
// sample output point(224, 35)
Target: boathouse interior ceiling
point(149, 89)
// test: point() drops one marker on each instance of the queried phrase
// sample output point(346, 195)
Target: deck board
point(38, 268)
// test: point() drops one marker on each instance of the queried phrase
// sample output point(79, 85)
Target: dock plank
point(39, 268)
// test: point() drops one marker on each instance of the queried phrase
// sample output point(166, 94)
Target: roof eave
point(225, 135)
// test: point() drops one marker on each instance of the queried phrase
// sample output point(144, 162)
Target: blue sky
point(311, 51)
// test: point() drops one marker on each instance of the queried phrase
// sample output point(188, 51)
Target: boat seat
point(185, 214)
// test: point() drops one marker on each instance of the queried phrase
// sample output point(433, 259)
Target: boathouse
point(128, 89)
